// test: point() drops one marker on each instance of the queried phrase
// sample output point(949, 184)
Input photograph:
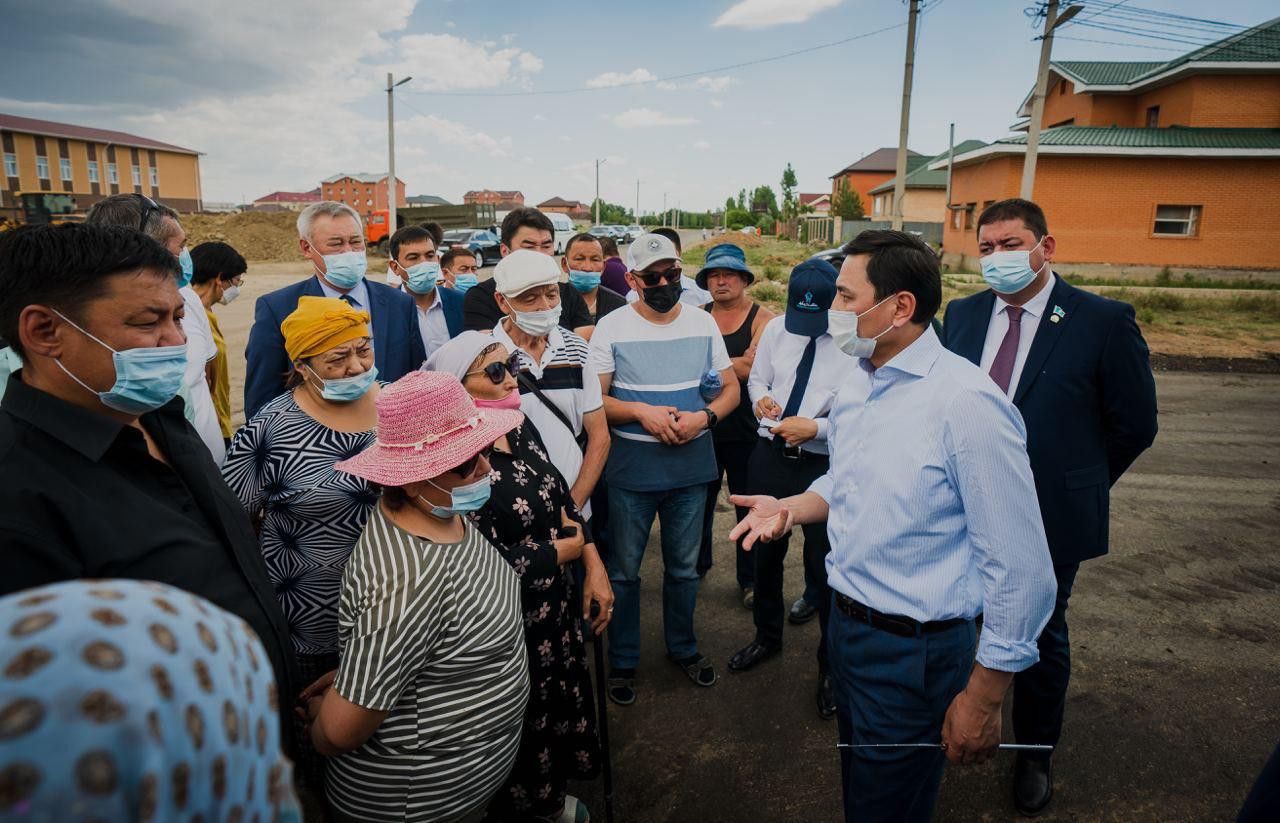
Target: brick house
point(287, 200)
point(89, 164)
point(366, 193)
point(871, 170)
point(819, 202)
point(1140, 163)
point(924, 197)
point(576, 209)
point(500, 200)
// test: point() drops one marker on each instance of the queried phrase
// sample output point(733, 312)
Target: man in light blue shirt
point(933, 519)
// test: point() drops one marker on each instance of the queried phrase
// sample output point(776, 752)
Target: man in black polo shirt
point(100, 473)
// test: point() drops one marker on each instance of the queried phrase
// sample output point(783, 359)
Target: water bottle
point(711, 386)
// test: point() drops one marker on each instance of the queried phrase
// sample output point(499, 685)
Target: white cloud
point(439, 62)
point(716, 104)
point(564, 138)
point(452, 133)
point(760, 14)
point(647, 118)
point(715, 85)
point(615, 78)
point(539, 117)
point(702, 145)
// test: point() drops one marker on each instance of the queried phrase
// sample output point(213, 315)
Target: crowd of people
point(444, 487)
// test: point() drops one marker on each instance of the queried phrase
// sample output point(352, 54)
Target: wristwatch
point(712, 419)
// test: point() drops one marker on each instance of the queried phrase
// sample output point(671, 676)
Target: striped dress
point(432, 634)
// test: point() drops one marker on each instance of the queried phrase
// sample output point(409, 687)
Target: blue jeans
point(631, 515)
point(892, 689)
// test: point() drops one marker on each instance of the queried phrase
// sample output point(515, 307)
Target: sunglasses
point(149, 207)
point(468, 468)
point(653, 278)
point(498, 370)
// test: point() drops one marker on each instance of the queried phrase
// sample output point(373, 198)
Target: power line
point(667, 79)
point(1115, 43)
point(1170, 26)
point(1108, 8)
point(1160, 13)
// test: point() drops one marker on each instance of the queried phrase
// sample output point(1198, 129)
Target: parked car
point(605, 231)
point(635, 231)
point(483, 243)
point(624, 234)
point(564, 229)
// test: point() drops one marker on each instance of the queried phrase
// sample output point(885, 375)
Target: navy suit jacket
point(397, 345)
point(451, 302)
point(1088, 398)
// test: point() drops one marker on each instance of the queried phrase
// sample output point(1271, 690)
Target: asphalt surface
point(1175, 696)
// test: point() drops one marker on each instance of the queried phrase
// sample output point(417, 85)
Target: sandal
point(574, 811)
point(621, 687)
point(699, 670)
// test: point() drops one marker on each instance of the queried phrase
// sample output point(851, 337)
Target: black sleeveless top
point(739, 426)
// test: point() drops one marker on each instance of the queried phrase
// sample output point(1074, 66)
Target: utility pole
point(636, 214)
point(599, 162)
point(951, 159)
point(908, 69)
point(664, 208)
point(1051, 22)
point(392, 188)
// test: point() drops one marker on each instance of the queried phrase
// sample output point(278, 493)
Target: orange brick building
point(366, 193)
point(500, 200)
point(1146, 164)
point(871, 170)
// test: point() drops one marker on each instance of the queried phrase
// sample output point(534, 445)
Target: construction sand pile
point(261, 237)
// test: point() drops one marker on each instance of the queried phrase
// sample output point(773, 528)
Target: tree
point(730, 204)
point(846, 204)
point(788, 193)
point(612, 213)
point(764, 201)
point(742, 200)
point(735, 219)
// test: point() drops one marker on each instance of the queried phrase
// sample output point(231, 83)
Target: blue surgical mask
point(423, 277)
point(465, 281)
point(463, 499)
point(1009, 272)
point(346, 389)
point(188, 268)
point(345, 269)
point(584, 281)
point(146, 378)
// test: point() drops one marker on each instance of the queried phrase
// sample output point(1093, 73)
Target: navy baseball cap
point(809, 295)
point(724, 256)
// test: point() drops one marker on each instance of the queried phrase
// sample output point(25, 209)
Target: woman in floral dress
point(537, 528)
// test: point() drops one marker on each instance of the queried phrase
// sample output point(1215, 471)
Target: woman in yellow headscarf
point(281, 466)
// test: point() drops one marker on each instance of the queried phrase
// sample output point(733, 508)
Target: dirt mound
point(261, 237)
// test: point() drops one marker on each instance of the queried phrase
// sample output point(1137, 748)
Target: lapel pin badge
point(1057, 315)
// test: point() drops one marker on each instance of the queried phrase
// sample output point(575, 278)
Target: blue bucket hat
point(724, 256)
point(810, 293)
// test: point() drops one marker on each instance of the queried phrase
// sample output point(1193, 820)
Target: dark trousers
point(773, 473)
point(892, 689)
point(1040, 692)
point(731, 463)
point(600, 518)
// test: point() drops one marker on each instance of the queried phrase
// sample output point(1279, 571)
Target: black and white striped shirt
point(431, 633)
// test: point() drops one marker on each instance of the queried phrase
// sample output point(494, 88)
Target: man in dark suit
point(415, 269)
point(332, 239)
point(1077, 368)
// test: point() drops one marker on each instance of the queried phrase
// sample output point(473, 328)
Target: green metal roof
point(1175, 137)
point(1105, 72)
point(922, 177)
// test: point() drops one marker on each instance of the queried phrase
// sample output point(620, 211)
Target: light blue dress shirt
point(933, 507)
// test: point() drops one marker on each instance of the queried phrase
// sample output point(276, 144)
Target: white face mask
point(393, 279)
point(843, 326)
point(538, 323)
point(229, 294)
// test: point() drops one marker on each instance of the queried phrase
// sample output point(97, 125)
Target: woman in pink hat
point(423, 715)
point(532, 519)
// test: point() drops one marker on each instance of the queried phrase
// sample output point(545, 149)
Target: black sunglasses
point(653, 278)
point(498, 370)
point(467, 468)
point(149, 207)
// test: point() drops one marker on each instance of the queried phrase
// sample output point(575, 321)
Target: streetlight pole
point(1051, 22)
point(636, 214)
point(664, 208)
point(599, 163)
point(908, 70)
point(392, 188)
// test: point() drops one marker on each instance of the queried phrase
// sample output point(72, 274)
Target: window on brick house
point(113, 175)
point(93, 172)
point(1177, 221)
point(42, 167)
point(1153, 117)
point(10, 164)
point(957, 218)
point(969, 209)
point(155, 177)
point(137, 175)
point(64, 168)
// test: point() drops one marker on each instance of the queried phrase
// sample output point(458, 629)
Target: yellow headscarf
point(320, 324)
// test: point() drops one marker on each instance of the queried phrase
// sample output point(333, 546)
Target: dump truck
point(376, 232)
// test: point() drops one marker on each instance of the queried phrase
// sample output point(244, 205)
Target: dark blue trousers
point(1040, 692)
point(892, 689)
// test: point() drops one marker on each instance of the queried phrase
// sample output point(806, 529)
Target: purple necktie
point(1002, 366)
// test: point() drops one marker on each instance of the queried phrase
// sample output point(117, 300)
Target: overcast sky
point(278, 94)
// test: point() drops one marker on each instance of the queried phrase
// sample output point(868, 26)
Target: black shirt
point(80, 496)
point(607, 300)
point(480, 310)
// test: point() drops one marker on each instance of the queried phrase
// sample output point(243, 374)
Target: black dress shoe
point(748, 656)
point(1032, 785)
point(826, 698)
point(801, 612)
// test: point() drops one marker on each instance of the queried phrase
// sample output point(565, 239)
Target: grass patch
point(1167, 278)
point(771, 294)
point(760, 252)
point(775, 273)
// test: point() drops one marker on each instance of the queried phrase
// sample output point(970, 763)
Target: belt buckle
point(791, 452)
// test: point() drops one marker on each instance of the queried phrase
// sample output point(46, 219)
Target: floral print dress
point(559, 741)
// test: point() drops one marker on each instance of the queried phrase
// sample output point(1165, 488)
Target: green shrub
point(1165, 277)
point(774, 273)
point(768, 292)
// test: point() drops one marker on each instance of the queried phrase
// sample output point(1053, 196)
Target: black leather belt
point(893, 623)
point(793, 452)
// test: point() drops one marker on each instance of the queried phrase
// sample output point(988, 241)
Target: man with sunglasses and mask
point(651, 357)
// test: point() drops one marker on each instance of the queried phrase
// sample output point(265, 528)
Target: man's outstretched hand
point(768, 519)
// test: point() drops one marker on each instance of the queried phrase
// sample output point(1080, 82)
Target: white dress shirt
point(774, 373)
point(359, 295)
point(934, 512)
point(1032, 311)
point(431, 323)
point(200, 350)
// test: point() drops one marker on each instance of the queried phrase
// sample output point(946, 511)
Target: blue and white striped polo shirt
point(662, 365)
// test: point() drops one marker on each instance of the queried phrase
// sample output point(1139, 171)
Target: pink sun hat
point(427, 424)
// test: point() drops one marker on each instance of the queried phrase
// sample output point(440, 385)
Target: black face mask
point(662, 299)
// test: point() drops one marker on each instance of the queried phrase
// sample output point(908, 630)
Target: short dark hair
point(66, 267)
point(437, 231)
point(454, 252)
point(898, 261)
point(609, 246)
point(672, 235)
point(582, 237)
point(126, 210)
point(1015, 208)
point(522, 217)
point(215, 259)
point(409, 234)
